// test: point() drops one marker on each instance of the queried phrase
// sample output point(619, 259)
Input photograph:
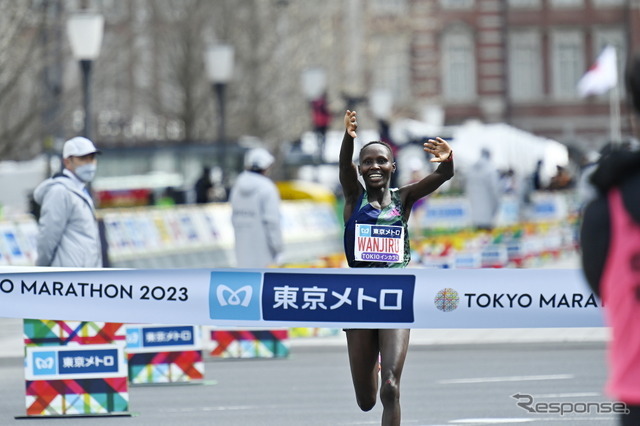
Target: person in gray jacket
point(255, 204)
point(483, 192)
point(68, 230)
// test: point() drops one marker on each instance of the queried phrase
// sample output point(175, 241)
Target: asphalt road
point(442, 385)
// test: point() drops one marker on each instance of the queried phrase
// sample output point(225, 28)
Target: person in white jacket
point(483, 192)
point(68, 234)
point(255, 204)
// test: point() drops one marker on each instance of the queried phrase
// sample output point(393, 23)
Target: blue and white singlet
point(377, 238)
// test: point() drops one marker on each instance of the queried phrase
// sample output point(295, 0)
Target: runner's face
point(376, 165)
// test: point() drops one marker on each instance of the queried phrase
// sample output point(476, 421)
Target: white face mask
point(86, 172)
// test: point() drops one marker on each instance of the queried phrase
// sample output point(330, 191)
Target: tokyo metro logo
point(235, 295)
point(447, 300)
point(44, 363)
point(227, 296)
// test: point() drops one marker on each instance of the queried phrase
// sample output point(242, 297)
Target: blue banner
point(280, 298)
point(75, 362)
point(338, 298)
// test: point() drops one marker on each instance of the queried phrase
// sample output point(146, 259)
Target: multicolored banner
point(284, 298)
point(164, 354)
point(249, 343)
point(77, 397)
point(39, 332)
point(166, 367)
point(75, 368)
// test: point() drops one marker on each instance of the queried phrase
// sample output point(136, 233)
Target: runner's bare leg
point(363, 349)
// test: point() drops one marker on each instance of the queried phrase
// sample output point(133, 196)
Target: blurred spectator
point(68, 233)
point(168, 197)
point(508, 182)
point(610, 242)
point(561, 180)
point(204, 187)
point(255, 204)
point(483, 192)
point(321, 121)
point(526, 187)
point(536, 178)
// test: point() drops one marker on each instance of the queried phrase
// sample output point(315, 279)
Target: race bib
point(379, 243)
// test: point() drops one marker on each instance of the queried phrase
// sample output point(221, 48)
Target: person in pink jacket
point(610, 240)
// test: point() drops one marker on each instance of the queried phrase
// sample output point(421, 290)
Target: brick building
point(514, 61)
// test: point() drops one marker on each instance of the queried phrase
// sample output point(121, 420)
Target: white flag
point(602, 76)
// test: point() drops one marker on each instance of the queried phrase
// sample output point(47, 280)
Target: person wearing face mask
point(68, 234)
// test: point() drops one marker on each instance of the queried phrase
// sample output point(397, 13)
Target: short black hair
point(386, 145)
point(632, 80)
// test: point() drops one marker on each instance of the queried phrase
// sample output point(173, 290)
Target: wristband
point(450, 159)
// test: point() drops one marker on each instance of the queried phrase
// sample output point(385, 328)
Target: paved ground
point(11, 343)
point(458, 384)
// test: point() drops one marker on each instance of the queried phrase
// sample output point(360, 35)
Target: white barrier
point(185, 236)
point(455, 212)
point(282, 298)
point(192, 236)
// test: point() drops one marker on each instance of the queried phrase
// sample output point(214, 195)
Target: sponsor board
point(75, 362)
point(162, 338)
point(280, 298)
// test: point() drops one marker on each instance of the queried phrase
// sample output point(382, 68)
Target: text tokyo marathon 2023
point(525, 300)
point(93, 290)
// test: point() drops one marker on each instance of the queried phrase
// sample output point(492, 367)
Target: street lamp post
point(85, 30)
point(219, 64)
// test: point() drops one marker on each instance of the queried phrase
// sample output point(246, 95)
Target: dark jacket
point(618, 169)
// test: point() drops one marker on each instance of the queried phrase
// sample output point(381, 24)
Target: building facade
point(518, 61)
point(442, 61)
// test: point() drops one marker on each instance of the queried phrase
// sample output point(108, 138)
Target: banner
point(164, 354)
point(75, 368)
point(75, 362)
point(76, 380)
point(248, 343)
point(283, 298)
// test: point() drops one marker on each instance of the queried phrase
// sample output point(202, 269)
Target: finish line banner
point(279, 298)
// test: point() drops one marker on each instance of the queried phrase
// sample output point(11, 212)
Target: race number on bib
point(379, 243)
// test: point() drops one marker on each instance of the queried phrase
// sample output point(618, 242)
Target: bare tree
point(180, 90)
point(150, 72)
point(273, 42)
point(20, 65)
